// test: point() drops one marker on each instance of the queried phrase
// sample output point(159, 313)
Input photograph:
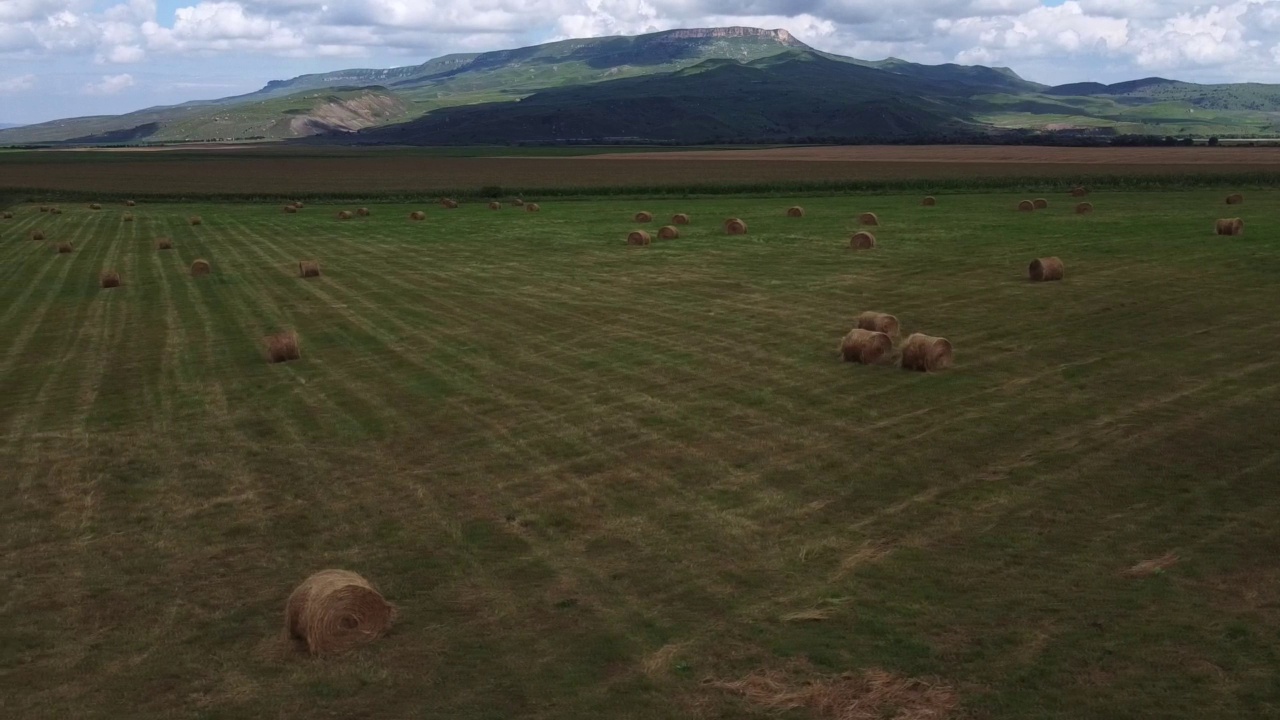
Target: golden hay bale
point(930, 201)
point(64, 247)
point(363, 212)
point(868, 219)
point(926, 353)
point(200, 268)
point(879, 322)
point(44, 208)
point(290, 209)
point(195, 220)
point(1084, 208)
point(95, 206)
point(495, 205)
point(110, 279)
point(1236, 199)
point(1230, 226)
point(680, 219)
point(862, 240)
point(1046, 269)
point(129, 203)
point(668, 232)
point(417, 215)
point(533, 207)
point(37, 234)
point(335, 611)
point(1026, 206)
point(1040, 203)
point(7, 216)
point(128, 217)
point(644, 217)
point(282, 347)
point(518, 202)
point(448, 203)
point(795, 211)
point(1079, 191)
point(865, 346)
point(309, 268)
point(345, 215)
point(734, 226)
point(638, 237)
point(298, 205)
point(164, 243)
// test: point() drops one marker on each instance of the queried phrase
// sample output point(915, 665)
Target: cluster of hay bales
point(282, 347)
point(862, 240)
point(1046, 269)
point(643, 217)
point(309, 268)
point(638, 237)
point(335, 611)
point(1230, 226)
point(109, 279)
point(871, 343)
point(200, 268)
point(795, 211)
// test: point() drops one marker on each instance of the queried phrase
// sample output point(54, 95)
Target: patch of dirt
point(348, 115)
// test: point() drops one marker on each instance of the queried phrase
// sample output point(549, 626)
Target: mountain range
point(716, 85)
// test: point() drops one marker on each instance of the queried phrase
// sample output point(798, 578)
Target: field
point(603, 481)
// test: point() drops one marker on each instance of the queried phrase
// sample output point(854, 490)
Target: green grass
point(594, 478)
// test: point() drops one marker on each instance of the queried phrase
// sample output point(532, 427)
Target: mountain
point(6, 126)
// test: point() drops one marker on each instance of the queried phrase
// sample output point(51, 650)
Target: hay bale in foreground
point(195, 220)
point(869, 219)
point(795, 211)
point(109, 279)
point(164, 243)
point(1046, 269)
point(644, 217)
point(64, 247)
point(638, 237)
point(363, 212)
point(290, 209)
point(345, 215)
point(309, 268)
point(1236, 199)
point(417, 215)
point(200, 268)
point(668, 232)
point(1079, 191)
point(1026, 206)
point(1230, 226)
point(37, 234)
point(1040, 203)
point(862, 240)
point(879, 322)
point(533, 207)
point(282, 347)
point(495, 205)
point(1084, 208)
point(128, 217)
point(865, 346)
point(335, 611)
point(680, 219)
point(930, 201)
point(734, 226)
point(926, 353)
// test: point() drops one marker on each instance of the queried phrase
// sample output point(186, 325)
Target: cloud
point(17, 84)
point(109, 85)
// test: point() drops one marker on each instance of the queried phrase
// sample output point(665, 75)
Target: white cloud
point(17, 84)
point(109, 85)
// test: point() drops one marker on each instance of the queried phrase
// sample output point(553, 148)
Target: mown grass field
point(602, 481)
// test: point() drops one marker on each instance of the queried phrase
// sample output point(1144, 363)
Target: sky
point(65, 58)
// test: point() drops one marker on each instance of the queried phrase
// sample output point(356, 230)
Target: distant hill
point(6, 126)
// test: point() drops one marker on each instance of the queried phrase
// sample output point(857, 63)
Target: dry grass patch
point(282, 347)
point(926, 353)
point(862, 240)
point(109, 279)
point(865, 346)
point(335, 611)
point(1046, 269)
point(309, 268)
point(868, 695)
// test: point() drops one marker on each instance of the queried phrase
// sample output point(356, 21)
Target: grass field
point(602, 481)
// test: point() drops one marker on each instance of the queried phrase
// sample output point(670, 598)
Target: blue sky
point(61, 58)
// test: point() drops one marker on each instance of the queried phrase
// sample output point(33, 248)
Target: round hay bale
point(200, 268)
point(930, 201)
point(37, 234)
point(363, 212)
point(64, 247)
point(55, 211)
point(533, 207)
point(862, 240)
point(495, 205)
point(164, 243)
point(448, 203)
point(298, 205)
point(282, 347)
point(795, 211)
point(109, 279)
point(734, 226)
point(1079, 191)
point(44, 208)
point(668, 232)
point(879, 322)
point(865, 346)
point(868, 219)
point(95, 206)
point(195, 220)
point(345, 215)
point(129, 203)
point(926, 353)
point(680, 219)
point(7, 216)
point(1236, 199)
point(518, 202)
point(290, 209)
point(128, 217)
point(309, 268)
point(1084, 208)
point(638, 237)
point(1230, 226)
point(417, 215)
point(335, 611)
point(1040, 203)
point(1026, 206)
point(1046, 269)
point(644, 217)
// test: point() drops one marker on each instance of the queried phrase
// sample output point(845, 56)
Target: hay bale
point(282, 347)
point(862, 240)
point(55, 211)
point(309, 268)
point(1236, 199)
point(668, 232)
point(638, 237)
point(95, 206)
point(1230, 226)
point(298, 205)
point(128, 217)
point(1046, 269)
point(926, 353)
point(37, 234)
point(64, 247)
point(879, 322)
point(200, 268)
point(680, 219)
point(164, 244)
point(868, 219)
point(495, 205)
point(1079, 191)
point(533, 207)
point(865, 346)
point(1084, 208)
point(734, 226)
point(363, 212)
point(345, 215)
point(518, 202)
point(1026, 206)
point(109, 279)
point(335, 611)
point(417, 215)
point(448, 203)
point(644, 217)
point(290, 210)
point(7, 216)
point(795, 211)
point(129, 203)
point(44, 208)
point(930, 201)
point(195, 220)
point(1040, 203)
